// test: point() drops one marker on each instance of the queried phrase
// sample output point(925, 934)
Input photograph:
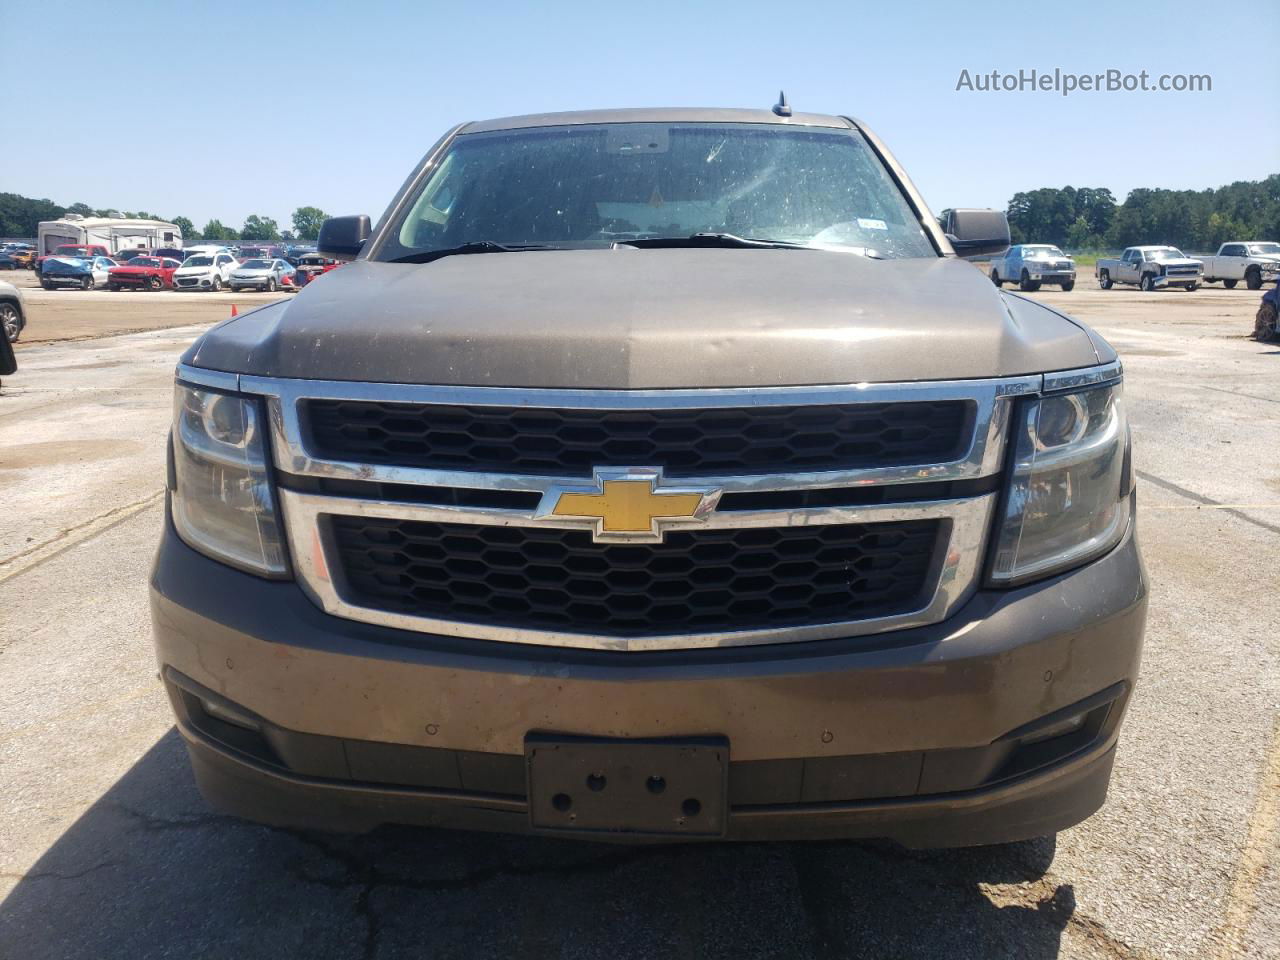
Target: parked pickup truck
point(1254, 263)
point(654, 474)
point(1031, 264)
point(1150, 268)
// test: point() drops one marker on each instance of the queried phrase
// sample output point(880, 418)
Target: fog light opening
point(229, 714)
point(1060, 729)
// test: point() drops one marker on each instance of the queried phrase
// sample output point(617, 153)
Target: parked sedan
point(143, 273)
point(24, 257)
point(261, 274)
point(7, 262)
point(82, 272)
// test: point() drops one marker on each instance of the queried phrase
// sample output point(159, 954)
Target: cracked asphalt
point(106, 849)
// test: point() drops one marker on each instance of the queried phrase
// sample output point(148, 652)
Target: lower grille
point(706, 580)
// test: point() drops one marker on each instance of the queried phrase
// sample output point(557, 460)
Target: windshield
point(144, 262)
point(256, 264)
point(1165, 253)
point(198, 262)
point(1264, 249)
point(592, 185)
point(1040, 253)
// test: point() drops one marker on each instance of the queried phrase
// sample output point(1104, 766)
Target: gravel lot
point(107, 851)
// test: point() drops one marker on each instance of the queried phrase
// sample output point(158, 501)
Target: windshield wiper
point(730, 240)
point(474, 246)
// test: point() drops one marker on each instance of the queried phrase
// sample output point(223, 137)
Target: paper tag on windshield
point(866, 224)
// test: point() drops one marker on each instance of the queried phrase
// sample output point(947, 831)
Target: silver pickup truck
point(1031, 264)
point(1150, 268)
point(654, 474)
point(1254, 263)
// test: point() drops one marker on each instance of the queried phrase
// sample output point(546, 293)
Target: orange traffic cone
point(234, 312)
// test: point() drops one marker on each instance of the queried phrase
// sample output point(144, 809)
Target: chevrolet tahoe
point(647, 475)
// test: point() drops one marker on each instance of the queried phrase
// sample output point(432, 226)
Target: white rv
point(110, 232)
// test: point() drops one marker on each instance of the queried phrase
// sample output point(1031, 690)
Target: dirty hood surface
point(639, 319)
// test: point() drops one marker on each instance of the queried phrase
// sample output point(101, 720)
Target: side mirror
point(977, 233)
point(343, 237)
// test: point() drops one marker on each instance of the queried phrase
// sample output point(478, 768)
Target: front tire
point(1026, 284)
point(46, 284)
point(113, 287)
point(1253, 278)
point(234, 288)
point(271, 285)
point(1147, 283)
point(1230, 284)
point(995, 278)
point(11, 321)
point(1266, 324)
point(1192, 287)
point(1068, 286)
point(86, 283)
point(154, 283)
point(216, 285)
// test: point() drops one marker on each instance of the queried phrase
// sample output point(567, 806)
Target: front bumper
point(193, 283)
point(915, 736)
point(1051, 275)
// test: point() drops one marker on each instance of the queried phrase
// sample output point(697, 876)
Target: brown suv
point(654, 474)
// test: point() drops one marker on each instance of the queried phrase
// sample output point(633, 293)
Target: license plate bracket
point(651, 788)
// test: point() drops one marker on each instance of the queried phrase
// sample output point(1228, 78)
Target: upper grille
point(685, 442)
point(697, 581)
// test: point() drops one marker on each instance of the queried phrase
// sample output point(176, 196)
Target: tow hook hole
point(691, 807)
point(562, 802)
point(656, 784)
point(596, 782)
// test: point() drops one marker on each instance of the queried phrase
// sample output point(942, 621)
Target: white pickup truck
point(1150, 268)
point(1031, 264)
point(1254, 263)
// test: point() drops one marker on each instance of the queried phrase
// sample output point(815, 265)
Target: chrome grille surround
point(958, 563)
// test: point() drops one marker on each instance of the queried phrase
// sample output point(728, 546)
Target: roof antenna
point(782, 108)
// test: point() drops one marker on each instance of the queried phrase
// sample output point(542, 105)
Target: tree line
point(19, 216)
point(1088, 218)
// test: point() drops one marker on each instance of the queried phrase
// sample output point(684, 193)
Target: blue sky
point(260, 107)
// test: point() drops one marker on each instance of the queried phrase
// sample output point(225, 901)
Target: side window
point(1235, 250)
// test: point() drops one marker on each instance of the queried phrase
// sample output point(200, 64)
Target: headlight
point(221, 502)
point(1067, 499)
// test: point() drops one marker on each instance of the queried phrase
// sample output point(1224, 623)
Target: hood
point(650, 319)
point(126, 268)
point(194, 271)
point(251, 271)
point(1179, 262)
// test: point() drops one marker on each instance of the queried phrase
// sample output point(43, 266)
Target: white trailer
point(114, 233)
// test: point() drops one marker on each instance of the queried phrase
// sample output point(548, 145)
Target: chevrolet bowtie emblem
point(628, 505)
